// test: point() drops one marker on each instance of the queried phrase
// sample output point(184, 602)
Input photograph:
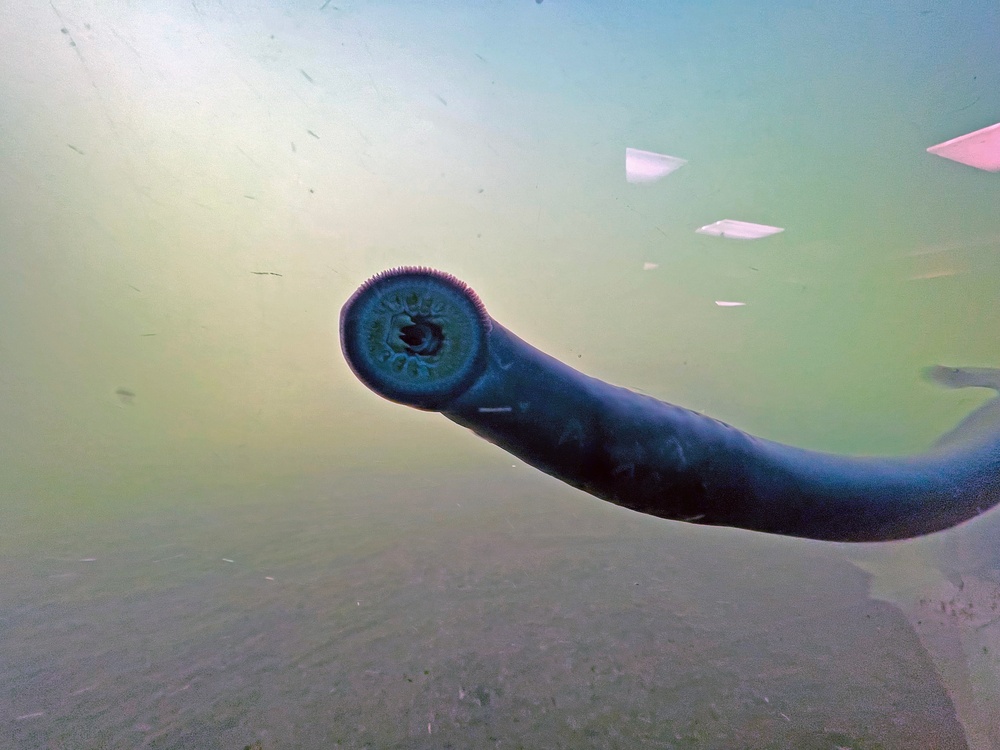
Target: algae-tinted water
point(189, 192)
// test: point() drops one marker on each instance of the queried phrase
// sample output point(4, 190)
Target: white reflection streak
point(731, 229)
point(979, 149)
point(933, 275)
point(647, 166)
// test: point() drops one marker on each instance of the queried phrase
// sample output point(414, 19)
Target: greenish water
point(191, 191)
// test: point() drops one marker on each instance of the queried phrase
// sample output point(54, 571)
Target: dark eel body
point(422, 338)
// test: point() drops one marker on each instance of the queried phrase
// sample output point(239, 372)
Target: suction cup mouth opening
point(415, 336)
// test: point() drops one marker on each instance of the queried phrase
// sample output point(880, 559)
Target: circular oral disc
point(415, 336)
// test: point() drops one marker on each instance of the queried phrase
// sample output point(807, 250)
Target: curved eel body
point(422, 338)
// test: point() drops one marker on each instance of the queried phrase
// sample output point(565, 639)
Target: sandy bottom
point(949, 590)
point(448, 612)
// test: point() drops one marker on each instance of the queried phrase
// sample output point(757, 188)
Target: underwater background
point(212, 535)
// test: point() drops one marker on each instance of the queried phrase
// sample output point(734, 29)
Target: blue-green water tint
point(190, 194)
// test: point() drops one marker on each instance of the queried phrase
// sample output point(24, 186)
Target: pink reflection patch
point(979, 149)
point(647, 166)
point(738, 230)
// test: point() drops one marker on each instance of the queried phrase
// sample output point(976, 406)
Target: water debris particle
point(125, 395)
